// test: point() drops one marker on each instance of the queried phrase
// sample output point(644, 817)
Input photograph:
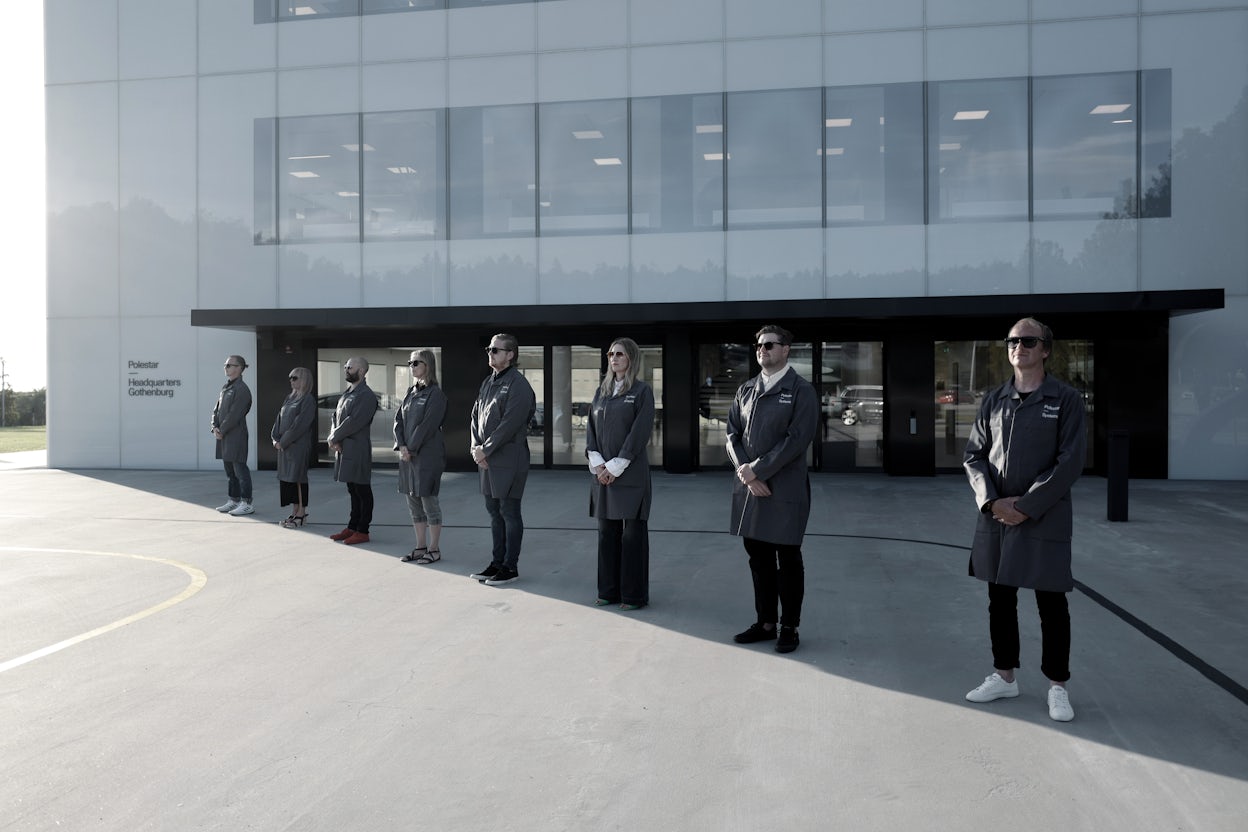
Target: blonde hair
point(607, 388)
point(303, 383)
point(431, 366)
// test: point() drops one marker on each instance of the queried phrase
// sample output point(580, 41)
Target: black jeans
point(506, 530)
point(778, 575)
point(1054, 629)
point(623, 561)
point(361, 506)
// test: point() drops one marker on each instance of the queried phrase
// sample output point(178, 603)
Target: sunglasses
point(496, 350)
point(1027, 341)
point(231, 365)
point(294, 378)
point(767, 345)
point(415, 363)
point(617, 355)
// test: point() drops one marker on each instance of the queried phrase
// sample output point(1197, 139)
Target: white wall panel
point(752, 19)
point(982, 52)
point(157, 186)
point(510, 79)
point(589, 269)
point(415, 85)
point(157, 38)
point(1085, 47)
point(582, 76)
point(970, 12)
point(774, 64)
point(876, 262)
point(585, 24)
point(84, 365)
point(405, 37)
point(318, 276)
point(676, 70)
point(781, 264)
point(334, 40)
point(1085, 256)
point(662, 21)
point(493, 272)
point(302, 92)
point(884, 58)
point(83, 276)
point(408, 273)
point(978, 258)
point(855, 15)
point(231, 41)
point(80, 41)
point(1055, 9)
point(161, 407)
point(492, 30)
point(675, 268)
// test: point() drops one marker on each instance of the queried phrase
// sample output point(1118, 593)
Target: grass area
point(23, 439)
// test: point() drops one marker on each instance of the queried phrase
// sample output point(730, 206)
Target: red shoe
point(342, 535)
point(356, 537)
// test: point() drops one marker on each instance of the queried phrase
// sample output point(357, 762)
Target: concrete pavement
point(165, 667)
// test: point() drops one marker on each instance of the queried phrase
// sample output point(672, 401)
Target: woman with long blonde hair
point(422, 454)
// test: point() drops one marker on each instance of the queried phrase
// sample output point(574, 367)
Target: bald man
point(350, 441)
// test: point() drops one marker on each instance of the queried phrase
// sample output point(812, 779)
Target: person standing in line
point(292, 438)
point(353, 450)
point(229, 426)
point(772, 421)
point(1025, 452)
point(621, 418)
point(499, 434)
point(422, 454)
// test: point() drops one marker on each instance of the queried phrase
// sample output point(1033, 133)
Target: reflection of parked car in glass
point(381, 432)
point(538, 421)
point(954, 395)
point(858, 403)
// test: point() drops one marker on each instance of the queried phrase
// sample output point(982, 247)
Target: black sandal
point(413, 556)
point(430, 556)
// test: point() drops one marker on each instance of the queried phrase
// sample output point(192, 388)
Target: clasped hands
point(478, 456)
point(757, 487)
point(1005, 512)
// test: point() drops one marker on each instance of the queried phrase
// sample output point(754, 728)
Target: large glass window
point(493, 177)
point(852, 405)
point(319, 178)
point(775, 150)
point(723, 368)
point(873, 154)
point(1083, 146)
point(678, 163)
point(584, 167)
point(404, 178)
point(532, 366)
point(977, 150)
point(1155, 143)
point(264, 181)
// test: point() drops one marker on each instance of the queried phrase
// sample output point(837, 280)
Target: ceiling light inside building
point(355, 148)
point(970, 115)
point(838, 122)
point(708, 128)
point(951, 146)
point(587, 134)
point(714, 157)
point(300, 158)
point(401, 169)
point(609, 160)
point(304, 174)
point(831, 151)
point(1109, 109)
point(348, 193)
point(1123, 121)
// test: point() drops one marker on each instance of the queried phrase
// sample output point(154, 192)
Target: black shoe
point(756, 632)
point(485, 574)
point(788, 640)
point(502, 576)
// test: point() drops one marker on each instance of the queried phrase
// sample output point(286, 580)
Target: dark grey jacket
point(774, 428)
point(350, 426)
point(621, 426)
point(418, 427)
point(229, 416)
point(292, 431)
point(1033, 450)
point(500, 422)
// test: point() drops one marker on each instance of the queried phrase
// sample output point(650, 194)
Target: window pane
point(678, 163)
point(873, 148)
point(1083, 139)
point(723, 369)
point(775, 151)
point(312, 9)
point(852, 412)
point(1155, 142)
point(492, 157)
point(264, 181)
point(319, 190)
point(978, 150)
point(375, 6)
point(531, 365)
point(584, 167)
point(404, 176)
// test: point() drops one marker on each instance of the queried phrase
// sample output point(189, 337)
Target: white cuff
point(617, 466)
point(595, 460)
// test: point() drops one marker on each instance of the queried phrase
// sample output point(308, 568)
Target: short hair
point(431, 366)
point(509, 343)
point(239, 360)
point(1046, 334)
point(630, 375)
point(785, 336)
point(303, 382)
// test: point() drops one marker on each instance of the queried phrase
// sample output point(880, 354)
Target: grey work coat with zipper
point(499, 424)
point(418, 427)
point(1032, 449)
point(350, 428)
point(292, 431)
point(229, 416)
point(620, 426)
point(773, 431)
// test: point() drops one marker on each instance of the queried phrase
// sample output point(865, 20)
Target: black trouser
point(1054, 629)
point(779, 575)
point(361, 506)
point(623, 561)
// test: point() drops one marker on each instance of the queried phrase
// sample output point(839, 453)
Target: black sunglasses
point(767, 345)
point(414, 363)
point(495, 350)
point(294, 378)
point(1027, 341)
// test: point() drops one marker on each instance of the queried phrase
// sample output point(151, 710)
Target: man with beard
point(350, 441)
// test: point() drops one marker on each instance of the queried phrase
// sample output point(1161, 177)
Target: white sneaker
point(242, 508)
point(1059, 704)
point(994, 687)
point(229, 506)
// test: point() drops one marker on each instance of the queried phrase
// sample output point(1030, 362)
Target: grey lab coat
point(350, 426)
point(774, 428)
point(229, 416)
point(292, 431)
point(418, 427)
point(500, 421)
point(621, 426)
point(1033, 450)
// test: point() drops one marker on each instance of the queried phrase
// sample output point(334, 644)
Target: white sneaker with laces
point(1059, 704)
point(993, 687)
point(242, 508)
point(228, 506)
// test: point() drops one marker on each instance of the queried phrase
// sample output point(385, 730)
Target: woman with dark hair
point(292, 437)
point(621, 418)
point(422, 454)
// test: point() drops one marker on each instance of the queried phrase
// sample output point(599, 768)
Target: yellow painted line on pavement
point(198, 580)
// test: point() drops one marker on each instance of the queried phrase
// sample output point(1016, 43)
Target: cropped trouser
point(623, 561)
point(238, 477)
point(779, 575)
point(425, 509)
point(361, 494)
point(1054, 630)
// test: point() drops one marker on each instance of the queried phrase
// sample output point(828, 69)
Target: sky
point(23, 303)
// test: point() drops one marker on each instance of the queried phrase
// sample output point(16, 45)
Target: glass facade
point(272, 11)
